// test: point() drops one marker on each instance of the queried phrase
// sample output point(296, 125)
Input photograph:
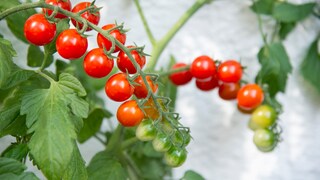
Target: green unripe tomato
point(181, 137)
point(161, 142)
point(264, 139)
point(264, 116)
point(146, 130)
point(175, 157)
point(253, 126)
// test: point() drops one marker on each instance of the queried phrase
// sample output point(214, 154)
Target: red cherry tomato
point(129, 114)
point(92, 15)
point(96, 64)
point(229, 91)
point(180, 78)
point(207, 84)
point(118, 87)
point(38, 30)
point(250, 96)
point(140, 89)
point(203, 67)
point(230, 71)
point(124, 63)
point(71, 45)
point(104, 42)
point(64, 4)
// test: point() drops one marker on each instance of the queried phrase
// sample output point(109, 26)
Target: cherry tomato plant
point(48, 112)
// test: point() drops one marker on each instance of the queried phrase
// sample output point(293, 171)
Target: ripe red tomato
point(129, 114)
point(229, 91)
point(207, 84)
point(124, 63)
point(64, 4)
point(203, 67)
point(96, 64)
point(250, 96)
point(92, 16)
point(118, 87)
point(140, 89)
point(230, 71)
point(71, 45)
point(104, 42)
point(38, 30)
point(180, 78)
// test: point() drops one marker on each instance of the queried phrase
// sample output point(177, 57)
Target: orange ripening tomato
point(129, 113)
point(250, 96)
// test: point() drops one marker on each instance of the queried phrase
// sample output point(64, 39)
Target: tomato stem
point(171, 71)
point(162, 43)
point(129, 142)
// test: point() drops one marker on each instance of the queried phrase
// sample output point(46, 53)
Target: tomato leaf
point(16, 21)
point(191, 175)
point(61, 26)
point(16, 151)
point(263, 6)
point(52, 119)
point(14, 170)
point(6, 54)
point(285, 29)
point(91, 125)
point(105, 166)
point(9, 112)
point(310, 66)
point(35, 57)
point(76, 168)
point(275, 67)
point(287, 12)
point(8, 165)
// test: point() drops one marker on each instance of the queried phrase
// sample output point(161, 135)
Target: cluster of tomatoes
point(121, 86)
point(98, 62)
point(226, 76)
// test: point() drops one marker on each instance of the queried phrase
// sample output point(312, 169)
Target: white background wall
point(222, 147)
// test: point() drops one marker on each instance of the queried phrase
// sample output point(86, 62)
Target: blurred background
point(222, 146)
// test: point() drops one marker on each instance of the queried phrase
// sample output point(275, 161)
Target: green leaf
point(275, 67)
point(105, 166)
point(16, 21)
point(76, 168)
point(310, 67)
point(285, 29)
point(166, 88)
point(35, 57)
point(17, 76)
point(16, 128)
point(191, 175)
point(9, 111)
point(6, 54)
point(287, 12)
point(263, 6)
point(16, 151)
point(54, 123)
point(14, 170)
point(61, 26)
point(91, 125)
point(8, 165)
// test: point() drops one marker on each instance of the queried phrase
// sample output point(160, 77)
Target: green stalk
point(160, 45)
point(145, 23)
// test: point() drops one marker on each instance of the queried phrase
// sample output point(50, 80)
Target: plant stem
point(114, 142)
point(99, 139)
point(129, 142)
point(145, 23)
point(185, 68)
point(18, 8)
point(45, 59)
point(160, 45)
point(45, 76)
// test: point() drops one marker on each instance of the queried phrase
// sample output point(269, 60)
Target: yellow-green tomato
point(253, 126)
point(264, 116)
point(161, 142)
point(264, 139)
point(146, 130)
point(175, 157)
